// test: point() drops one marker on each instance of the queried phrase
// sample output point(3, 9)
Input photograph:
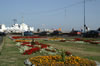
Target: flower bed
point(27, 48)
point(93, 42)
point(23, 40)
point(56, 39)
point(79, 40)
point(18, 37)
point(32, 50)
point(62, 40)
point(57, 61)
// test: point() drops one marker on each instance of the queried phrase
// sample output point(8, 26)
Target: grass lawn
point(84, 50)
point(10, 55)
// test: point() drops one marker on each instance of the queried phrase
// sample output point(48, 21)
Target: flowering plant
point(32, 50)
point(22, 49)
point(56, 39)
point(56, 61)
point(79, 40)
point(18, 44)
point(23, 40)
point(18, 37)
point(29, 48)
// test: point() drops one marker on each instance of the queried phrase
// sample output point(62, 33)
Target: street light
point(84, 18)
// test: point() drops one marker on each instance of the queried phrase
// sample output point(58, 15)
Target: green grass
point(85, 46)
point(95, 58)
point(10, 55)
point(84, 50)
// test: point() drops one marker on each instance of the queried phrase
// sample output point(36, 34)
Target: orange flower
point(55, 60)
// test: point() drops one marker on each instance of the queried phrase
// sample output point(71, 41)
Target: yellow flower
point(53, 60)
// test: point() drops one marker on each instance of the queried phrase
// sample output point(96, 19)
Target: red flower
point(68, 53)
point(17, 37)
point(94, 42)
point(30, 45)
point(87, 40)
point(36, 42)
point(62, 40)
point(30, 51)
point(25, 43)
point(77, 39)
point(44, 46)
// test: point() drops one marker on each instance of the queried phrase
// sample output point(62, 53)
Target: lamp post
point(84, 18)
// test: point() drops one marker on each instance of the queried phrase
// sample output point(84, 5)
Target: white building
point(18, 28)
point(2, 28)
point(23, 27)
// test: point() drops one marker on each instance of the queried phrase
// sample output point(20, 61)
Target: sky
point(52, 14)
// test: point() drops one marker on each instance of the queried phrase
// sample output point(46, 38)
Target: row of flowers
point(23, 40)
point(52, 39)
point(82, 40)
point(75, 39)
point(18, 37)
point(29, 48)
point(55, 39)
point(89, 41)
point(56, 60)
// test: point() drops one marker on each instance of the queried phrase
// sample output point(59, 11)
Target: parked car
point(91, 33)
point(2, 34)
point(75, 33)
point(28, 33)
point(56, 33)
point(44, 33)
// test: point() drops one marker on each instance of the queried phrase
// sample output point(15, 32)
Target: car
point(44, 33)
point(28, 33)
point(75, 33)
point(2, 34)
point(91, 33)
point(56, 33)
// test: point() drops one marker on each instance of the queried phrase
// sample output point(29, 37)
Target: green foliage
point(33, 42)
point(78, 49)
point(63, 56)
point(11, 57)
point(95, 58)
point(0, 53)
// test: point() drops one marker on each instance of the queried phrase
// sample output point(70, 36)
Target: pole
point(84, 18)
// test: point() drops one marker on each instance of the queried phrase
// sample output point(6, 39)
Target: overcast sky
point(65, 14)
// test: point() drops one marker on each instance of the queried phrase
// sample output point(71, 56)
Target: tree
point(98, 29)
point(38, 30)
